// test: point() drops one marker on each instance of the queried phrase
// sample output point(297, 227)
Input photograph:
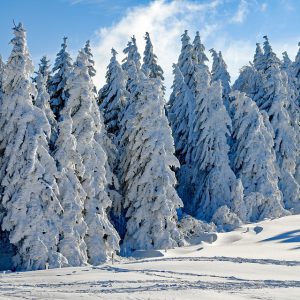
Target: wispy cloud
point(241, 12)
point(165, 21)
point(263, 7)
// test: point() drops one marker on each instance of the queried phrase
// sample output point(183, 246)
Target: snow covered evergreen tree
point(101, 238)
point(61, 70)
point(179, 112)
point(112, 97)
point(42, 101)
point(258, 60)
point(1, 72)
point(91, 62)
point(286, 62)
point(150, 65)
point(44, 70)
point(219, 72)
point(255, 160)
point(73, 228)
point(215, 182)
point(29, 191)
point(276, 101)
point(150, 196)
point(181, 106)
point(296, 106)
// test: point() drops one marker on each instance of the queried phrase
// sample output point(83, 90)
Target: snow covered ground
point(257, 261)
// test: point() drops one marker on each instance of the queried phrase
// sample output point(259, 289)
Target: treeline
point(84, 172)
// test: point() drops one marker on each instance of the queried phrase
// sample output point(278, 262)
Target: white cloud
point(166, 21)
point(241, 13)
point(263, 7)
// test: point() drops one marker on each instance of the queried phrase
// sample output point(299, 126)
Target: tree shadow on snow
point(287, 237)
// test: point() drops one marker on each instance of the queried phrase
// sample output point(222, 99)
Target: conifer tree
point(42, 101)
point(150, 65)
point(199, 55)
point(286, 62)
point(276, 101)
point(255, 160)
point(179, 112)
point(44, 69)
point(1, 72)
point(61, 70)
point(150, 196)
point(29, 191)
point(101, 238)
point(219, 72)
point(258, 60)
point(91, 62)
point(216, 184)
point(112, 97)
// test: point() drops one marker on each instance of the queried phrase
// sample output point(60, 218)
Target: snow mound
point(196, 231)
point(225, 219)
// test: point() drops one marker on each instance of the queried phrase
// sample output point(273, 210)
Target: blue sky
point(233, 26)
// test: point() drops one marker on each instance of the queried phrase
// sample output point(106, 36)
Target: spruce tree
point(150, 196)
point(255, 160)
point(29, 191)
point(216, 184)
point(42, 101)
point(179, 112)
point(101, 238)
point(44, 70)
point(61, 70)
point(112, 97)
point(276, 101)
point(91, 62)
point(150, 65)
point(219, 72)
point(286, 62)
point(258, 60)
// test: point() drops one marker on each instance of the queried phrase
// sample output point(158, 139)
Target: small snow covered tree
point(44, 70)
point(258, 61)
point(112, 97)
point(150, 65)
point(61, 70)
point(255, 160)
point(150, 196)
point(42, 101)
point(29, 191)
point(219, 72)
point(199, 55)
point(216, 184)
point(286, 62)
point(91, 62)
point(101, 239)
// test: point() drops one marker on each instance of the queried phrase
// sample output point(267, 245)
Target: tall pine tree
point(61, 70)
point(150, 196)
point(29, 192)
point(101, 238)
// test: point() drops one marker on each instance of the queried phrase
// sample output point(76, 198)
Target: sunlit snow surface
point(257, 261)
